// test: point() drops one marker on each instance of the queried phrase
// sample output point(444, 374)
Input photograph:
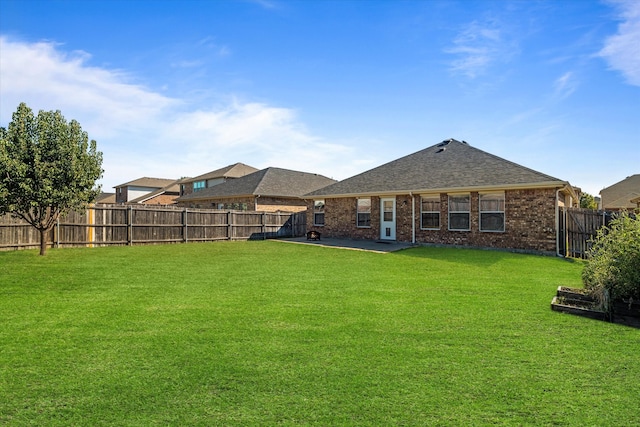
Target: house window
point(199, 185)
point(318, 212)
point(364, 212)
point(492, 212)
point(430, 212)
point(459, 212)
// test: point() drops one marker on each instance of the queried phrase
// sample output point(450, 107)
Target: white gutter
point(547, 184)
point(558, 223)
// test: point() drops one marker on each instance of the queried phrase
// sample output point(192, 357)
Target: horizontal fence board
point(106, 225)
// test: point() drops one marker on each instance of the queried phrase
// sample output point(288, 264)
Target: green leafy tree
point(587, 201)
point(47, 167)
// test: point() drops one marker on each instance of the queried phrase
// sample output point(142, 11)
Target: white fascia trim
point(548, 184)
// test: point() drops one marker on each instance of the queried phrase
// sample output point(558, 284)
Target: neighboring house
point(447, 194)
point(621, 195)
point(218, 176)
point(162, 196)
point(134, 191)
point(269, 190)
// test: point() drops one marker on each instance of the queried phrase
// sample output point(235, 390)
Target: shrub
point(613, 265)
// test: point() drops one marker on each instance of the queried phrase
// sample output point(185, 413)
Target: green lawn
point(270, 333)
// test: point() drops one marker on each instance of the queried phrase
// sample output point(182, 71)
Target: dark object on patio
point(313, 235)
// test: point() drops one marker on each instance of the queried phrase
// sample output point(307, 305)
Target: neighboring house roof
point(173, 188)
point(274, 182)
point(106, 198)
point(147, 182)
point(625, 202)
point(620, 194)
point(448, 166)
point(236, 170)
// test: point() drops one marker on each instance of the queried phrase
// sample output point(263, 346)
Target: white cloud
point(565, 85)
point(48, 79)
point(622, 50)
point(143, 133)
point(479, 46)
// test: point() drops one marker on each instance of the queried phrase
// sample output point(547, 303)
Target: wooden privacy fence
point(105, 225)
point(578, 227)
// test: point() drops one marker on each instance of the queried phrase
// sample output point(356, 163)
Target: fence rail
point(106, 225)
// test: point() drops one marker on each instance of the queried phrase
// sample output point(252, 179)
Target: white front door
point(388, 218)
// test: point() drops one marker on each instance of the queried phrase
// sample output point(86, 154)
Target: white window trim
point(358, 212)
point(430, 196)
point(480, 212)
point(449, 211)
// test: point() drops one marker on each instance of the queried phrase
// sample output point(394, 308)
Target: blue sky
point(179, 88)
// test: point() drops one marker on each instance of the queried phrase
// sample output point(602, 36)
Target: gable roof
point(266, 182)
point(619, 195)
point(448, 166)
point(173, 189)
point(147, 182)
point(235, 170)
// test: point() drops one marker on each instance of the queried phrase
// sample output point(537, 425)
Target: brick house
point(147, 191)
point(218, 176)
point(267, 190)
point(447, 194)
point(623, 195)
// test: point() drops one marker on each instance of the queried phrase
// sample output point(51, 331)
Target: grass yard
point(270, 333)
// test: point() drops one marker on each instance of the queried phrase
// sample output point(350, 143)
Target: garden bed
point(577, 301)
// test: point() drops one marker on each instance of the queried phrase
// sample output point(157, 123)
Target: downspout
point(256, 203)
point(413, 219)
point(558, 223)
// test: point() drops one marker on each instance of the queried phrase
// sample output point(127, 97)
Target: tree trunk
point(43, 241)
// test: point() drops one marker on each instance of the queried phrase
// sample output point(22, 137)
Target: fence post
point(294, 226)
point(90, 229)
point(264, 226)
point(130, 226)
point(57, 233)
point(185, 228)
point(229, 225)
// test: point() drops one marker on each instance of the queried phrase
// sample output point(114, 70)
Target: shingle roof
point(147, 182)
point(619, 195)
point(106, 198)
point(235, 170)
point(266, 182)
point(449, 165)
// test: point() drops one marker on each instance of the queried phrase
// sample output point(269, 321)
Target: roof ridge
point(447, 164)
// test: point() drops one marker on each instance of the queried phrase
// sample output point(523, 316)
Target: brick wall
point(121, 194)
point(265, 204)
point(282, 204)
point(187, 188)
point(529, 222)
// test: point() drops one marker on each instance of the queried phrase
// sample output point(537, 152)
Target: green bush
point(613, 265)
